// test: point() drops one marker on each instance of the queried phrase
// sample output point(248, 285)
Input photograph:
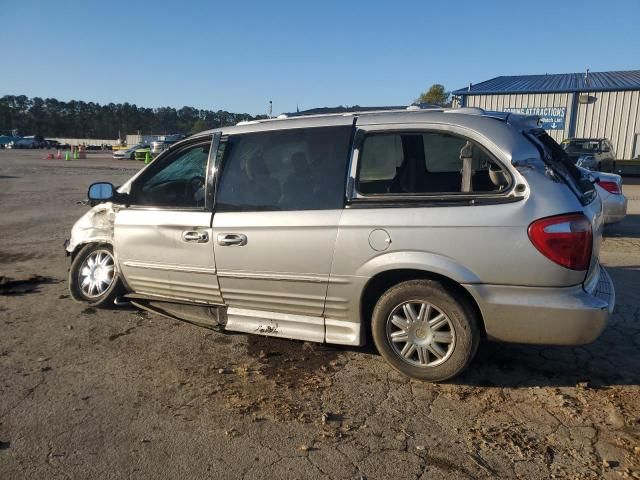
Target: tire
point(436, 350)
point(102, 293)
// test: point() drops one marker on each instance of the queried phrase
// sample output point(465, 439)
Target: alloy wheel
point(420, 333)
point(96, 273)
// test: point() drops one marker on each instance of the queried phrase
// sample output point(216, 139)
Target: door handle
point(232, 239)
point(194, 236)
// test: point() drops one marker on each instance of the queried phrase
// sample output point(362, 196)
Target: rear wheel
point(93, 278)
point(423, 331)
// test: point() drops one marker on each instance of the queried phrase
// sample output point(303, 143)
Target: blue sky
point(238, 55)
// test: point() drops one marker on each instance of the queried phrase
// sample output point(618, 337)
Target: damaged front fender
point(95, 226)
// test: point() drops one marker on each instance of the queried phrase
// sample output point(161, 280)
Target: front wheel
point(93, 278)
point(423, 331)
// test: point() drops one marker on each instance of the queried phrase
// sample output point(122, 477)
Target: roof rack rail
point(468, 110)
point(360, 111)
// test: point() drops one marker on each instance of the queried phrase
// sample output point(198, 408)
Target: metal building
point(588, 105)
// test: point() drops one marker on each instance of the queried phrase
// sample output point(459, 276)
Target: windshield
point(581, 146)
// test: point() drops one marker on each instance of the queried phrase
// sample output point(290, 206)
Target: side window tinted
point(178, 182)
point(384, 157)
point(425, 163)
point(302, 169)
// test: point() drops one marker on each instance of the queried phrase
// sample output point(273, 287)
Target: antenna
point(270, 108)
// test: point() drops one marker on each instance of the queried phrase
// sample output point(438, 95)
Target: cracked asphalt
point(88, 393)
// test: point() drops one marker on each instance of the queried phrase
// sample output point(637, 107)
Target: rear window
point(419, 163)
point(556, 158)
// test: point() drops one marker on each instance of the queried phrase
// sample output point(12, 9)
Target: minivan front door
point(163, 239)
point(278, 205)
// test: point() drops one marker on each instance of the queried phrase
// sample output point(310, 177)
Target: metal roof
point(563, 82)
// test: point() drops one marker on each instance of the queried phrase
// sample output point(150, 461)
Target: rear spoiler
point(518, 120)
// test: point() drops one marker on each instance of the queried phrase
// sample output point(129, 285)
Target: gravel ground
point(88, 393)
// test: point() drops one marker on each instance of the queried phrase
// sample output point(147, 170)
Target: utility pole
point(270, 108)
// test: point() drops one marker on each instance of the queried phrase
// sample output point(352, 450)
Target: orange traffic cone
point(49, 156)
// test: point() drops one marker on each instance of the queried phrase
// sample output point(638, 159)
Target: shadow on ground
point(628, 228)
point(22, 286)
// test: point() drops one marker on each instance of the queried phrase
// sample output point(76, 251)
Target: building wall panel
point(614, 115)
point(500, 102)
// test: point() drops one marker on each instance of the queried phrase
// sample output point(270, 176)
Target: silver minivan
point(423, 230)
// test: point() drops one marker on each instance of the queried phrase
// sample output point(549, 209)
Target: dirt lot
point(118, 393)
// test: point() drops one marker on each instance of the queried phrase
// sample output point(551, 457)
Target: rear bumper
point(615, 208)
point(547, 316)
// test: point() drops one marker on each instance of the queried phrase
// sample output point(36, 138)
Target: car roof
point(429, 115)
point(503, 129)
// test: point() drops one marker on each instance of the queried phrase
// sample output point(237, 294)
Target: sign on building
point(552, 118)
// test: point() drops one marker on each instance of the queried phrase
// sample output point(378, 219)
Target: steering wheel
point(194, 185)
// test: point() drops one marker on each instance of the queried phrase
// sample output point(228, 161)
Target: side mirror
point(101, 192)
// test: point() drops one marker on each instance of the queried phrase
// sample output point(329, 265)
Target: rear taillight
point(564, 239)
point(611, 187)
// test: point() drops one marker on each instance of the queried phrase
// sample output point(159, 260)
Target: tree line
point(77, 119)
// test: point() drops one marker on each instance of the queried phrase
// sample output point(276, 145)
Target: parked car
point(159, 146)
point(428, 230)
point(38, 141)
point(5, 140)
point(591, 153)
point(609, 188)
point(129, 153)
point(22, 143)
point(141, 153)
point(55, 144)
point(164, 142)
